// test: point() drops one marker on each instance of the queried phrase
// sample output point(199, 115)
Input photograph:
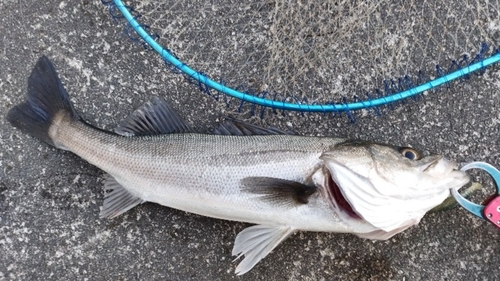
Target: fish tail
point(47, 103)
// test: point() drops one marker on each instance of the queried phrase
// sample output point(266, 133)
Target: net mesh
point(322, 51)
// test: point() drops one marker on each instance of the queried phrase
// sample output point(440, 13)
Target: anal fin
point(256, 242)
point(117, 199)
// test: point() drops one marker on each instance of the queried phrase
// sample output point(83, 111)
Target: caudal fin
point(45, 99)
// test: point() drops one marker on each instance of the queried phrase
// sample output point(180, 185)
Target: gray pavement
point(49, 199)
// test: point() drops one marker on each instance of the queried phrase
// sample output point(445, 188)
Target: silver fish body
point(280, 182)
point(201, 173)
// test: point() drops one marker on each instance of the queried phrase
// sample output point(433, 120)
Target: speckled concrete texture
point(49, 199)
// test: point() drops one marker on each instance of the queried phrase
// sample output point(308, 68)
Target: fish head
point(389, 187)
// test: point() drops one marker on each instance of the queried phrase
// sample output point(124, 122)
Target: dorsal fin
point(235, 127)
point(155, 117)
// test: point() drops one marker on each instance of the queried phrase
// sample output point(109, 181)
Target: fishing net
point(323, 52)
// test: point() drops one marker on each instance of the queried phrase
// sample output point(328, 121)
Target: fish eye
point(410, 153)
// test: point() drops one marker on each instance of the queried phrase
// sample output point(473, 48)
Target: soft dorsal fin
point(155, 117)
point(256, 242)
point(235, 127)
point(278, 191)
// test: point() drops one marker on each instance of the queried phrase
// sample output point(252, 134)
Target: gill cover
point(387, 189)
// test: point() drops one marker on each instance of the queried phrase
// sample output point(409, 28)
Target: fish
point(279, 181)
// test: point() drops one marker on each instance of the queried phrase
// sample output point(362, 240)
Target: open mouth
point(337, 196)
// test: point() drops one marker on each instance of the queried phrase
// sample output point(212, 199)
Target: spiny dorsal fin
point(155, 117)
point(235, 127)
point(278, 190)
point(117, 200)
point(256, 242)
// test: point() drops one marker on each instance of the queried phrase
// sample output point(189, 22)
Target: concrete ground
point(49, 199)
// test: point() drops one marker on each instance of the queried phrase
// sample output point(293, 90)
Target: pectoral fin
point(278, 190)
point(118, 200)
point(256, 242)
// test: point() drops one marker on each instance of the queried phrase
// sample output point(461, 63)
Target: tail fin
point(46, 97)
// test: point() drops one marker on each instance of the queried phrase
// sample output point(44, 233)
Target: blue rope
point(347, 107)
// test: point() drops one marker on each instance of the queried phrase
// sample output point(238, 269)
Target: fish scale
point(165, 170)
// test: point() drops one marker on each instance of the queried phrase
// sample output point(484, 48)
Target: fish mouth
point(433, 162)
point(337, 198)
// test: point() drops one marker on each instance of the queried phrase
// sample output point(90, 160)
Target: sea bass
point(281, 182)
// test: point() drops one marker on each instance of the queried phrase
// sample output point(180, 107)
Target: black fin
point(45, 98)
point(278, 190)
point(155, 117)
point(235, 127)
point(117, 199)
